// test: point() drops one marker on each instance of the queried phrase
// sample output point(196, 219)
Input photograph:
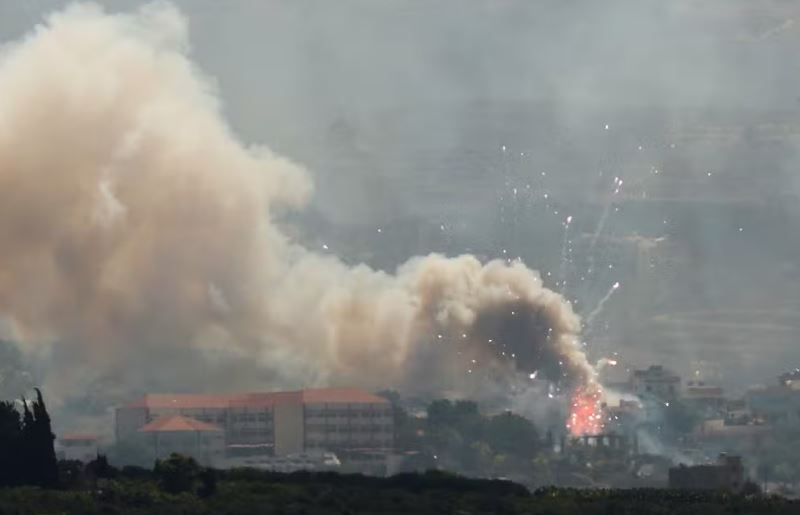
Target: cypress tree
point(37, 463)
point(45, 448)
point(27, 447)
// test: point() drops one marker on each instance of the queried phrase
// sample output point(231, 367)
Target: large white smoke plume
point(139, 247)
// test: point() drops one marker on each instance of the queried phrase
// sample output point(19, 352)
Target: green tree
point(468, 441)
point(460, 415)
point(130, 452)
point(208, 483)
point(10, 431)
point(28, 473)
point(542, 471)
point(405, 428)
point(27, 452)
point(177, 473)
point(446, 412)
point(512, 434)
point(100, 468)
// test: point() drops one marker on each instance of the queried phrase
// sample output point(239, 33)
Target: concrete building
point(706, 399)
point(78, 446)
point(656, 381)
point(352, 423)
point(776, 405)
point(726, 474)
point(737, 412)
point(175, 433)
point(779, 404)
point(719, 434)
point(623, 417)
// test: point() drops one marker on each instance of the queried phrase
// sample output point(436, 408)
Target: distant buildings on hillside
point(654, 413)
point(777, 404)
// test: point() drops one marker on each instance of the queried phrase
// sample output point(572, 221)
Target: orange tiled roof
point(177, 423)
point(264, 400)
point(255, 400)
point(78, 436)
point(181, 400)
point(343, 395)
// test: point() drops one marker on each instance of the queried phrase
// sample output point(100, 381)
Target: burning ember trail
point(585, 417)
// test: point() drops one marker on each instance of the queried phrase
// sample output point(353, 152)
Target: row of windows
point(235, 417)
point(249, 417)
point(320, 428)
point(322, 442)
point(345, 405)
point(313, 442)
point(210, 418)
point(343, 421)
point(222, 417)
point(251, 431)
point(346, 413)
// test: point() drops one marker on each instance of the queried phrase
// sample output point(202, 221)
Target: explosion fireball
point(585, 416)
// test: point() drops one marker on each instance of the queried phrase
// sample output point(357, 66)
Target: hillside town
point(661, 431)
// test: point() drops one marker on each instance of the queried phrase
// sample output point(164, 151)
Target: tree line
point(27, 452)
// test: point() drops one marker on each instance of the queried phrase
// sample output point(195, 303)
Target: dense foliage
point(247, 491)
point(462, 439)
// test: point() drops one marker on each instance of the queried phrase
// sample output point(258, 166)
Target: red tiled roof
point(343, 395)
point(264, 400)
point(255, 400)
point(177, 423)
point(181, 400)
point(200, 401)
point(78, 436)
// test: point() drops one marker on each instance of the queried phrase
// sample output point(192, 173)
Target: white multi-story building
point(708, 400)
point(183, 435)
point(656, 381)
point(358, 426)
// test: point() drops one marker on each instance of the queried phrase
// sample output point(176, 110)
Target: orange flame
point(585, 412)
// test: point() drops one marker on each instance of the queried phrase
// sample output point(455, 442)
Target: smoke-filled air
point(142, 241)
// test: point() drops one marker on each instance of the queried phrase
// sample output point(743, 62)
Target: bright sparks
point(585, 412)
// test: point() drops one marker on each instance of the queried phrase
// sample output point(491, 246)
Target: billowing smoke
point(140, 243)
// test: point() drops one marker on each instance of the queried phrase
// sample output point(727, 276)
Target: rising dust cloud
point(138, 237)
